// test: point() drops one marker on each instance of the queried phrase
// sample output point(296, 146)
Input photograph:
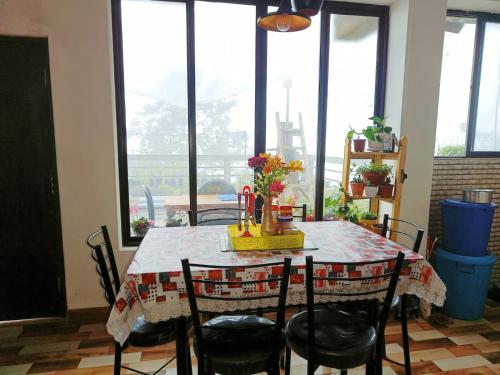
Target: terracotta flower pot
point(375, 178)
point(357, 188)
point(365, 223)
point(377, 228)
point(359, 145)
point(386, 191)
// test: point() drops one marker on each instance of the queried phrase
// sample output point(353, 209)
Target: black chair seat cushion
point(239, 344)
point(343, 340)
point(152, 334)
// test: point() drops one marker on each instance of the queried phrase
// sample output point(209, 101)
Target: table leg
point(181, 347)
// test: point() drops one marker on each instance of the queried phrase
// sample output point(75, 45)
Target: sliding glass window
point(199, 90)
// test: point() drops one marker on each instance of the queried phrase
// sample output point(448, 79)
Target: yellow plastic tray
point(258, 242)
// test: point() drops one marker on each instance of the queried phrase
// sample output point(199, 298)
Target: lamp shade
point(285, 19)
point(307, 8)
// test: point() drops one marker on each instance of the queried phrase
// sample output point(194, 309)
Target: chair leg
point(188, 357)
point(370, 367)
point(118, 358)
point(288, 358)
point(404, 329)
point(310, 367)
point(343, 372)
point(180, 346)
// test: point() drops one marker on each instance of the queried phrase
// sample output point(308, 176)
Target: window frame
point(481, 19)
point(329, 8)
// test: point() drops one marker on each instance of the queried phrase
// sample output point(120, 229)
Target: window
point(198, 95)
point(469, 98)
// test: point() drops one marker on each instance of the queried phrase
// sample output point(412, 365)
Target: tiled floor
point(460, 347)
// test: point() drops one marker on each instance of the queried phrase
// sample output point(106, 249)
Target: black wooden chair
point(240, 344)
point(143, 334)
point(213, 216)
point(414, 235)
point(333, 337)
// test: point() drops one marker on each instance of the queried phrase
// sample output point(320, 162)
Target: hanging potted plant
point(357, 186)
point(375, 133)
point(358, 143)
point(387, 189)
point(371, 190)
point(374, 173)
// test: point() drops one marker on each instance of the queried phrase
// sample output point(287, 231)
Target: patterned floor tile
point(424, 355)
point(488, 347)
point(49, 347)
point(456, 363)
point(426, 335)
point(467, 339)
point(464, 350)
point(109, 360)
point(53, 365)
point(15, 369)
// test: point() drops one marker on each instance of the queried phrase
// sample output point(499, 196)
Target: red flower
point(276, 188)
point(256, 162)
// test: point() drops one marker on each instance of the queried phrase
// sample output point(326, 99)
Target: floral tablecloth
point(154, 284)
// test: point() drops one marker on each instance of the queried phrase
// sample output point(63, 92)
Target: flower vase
point(266, 228)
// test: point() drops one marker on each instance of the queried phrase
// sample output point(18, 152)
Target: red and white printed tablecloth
point(154, 284)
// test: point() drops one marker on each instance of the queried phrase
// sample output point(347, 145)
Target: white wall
point(81, 67)
point(416, 42)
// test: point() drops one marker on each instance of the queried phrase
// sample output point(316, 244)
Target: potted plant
point(387, 189)
point(377, 228)
point(374, 173)
point(358, 143)
point(141, 226)
point(367, 219)
point(375, 133)
point(371, 190)
point(357, 186)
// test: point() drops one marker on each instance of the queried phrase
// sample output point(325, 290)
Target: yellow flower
point(295, 166)
point(264, 155)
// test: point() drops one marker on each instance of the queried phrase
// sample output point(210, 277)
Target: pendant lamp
point(285, 19)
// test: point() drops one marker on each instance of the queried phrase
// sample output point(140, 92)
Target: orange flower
point(295, 166)
point(267, 169)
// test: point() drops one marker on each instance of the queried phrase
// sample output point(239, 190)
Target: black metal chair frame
point(379, 321)
point(110, 282)
point(302, 216)
point(195, 312)
point(417, 240)
point(193, 216)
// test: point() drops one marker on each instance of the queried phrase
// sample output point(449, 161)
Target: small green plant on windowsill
point(141, 226)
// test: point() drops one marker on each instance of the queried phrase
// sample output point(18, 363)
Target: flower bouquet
point(270, 173)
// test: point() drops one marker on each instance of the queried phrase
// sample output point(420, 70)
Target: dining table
point(153, 284)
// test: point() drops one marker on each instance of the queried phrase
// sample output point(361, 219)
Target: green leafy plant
point(357, 179)
point(367, 215)
point(371, 132)
point(141, 225)
point(374, 168)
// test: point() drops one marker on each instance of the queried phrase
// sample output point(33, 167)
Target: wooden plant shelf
point(377, 158)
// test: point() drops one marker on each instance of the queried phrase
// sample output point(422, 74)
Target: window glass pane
point(225, 91)
point(292, 105)
point(156, 105)
point(351, 90)
point(456, 73)
point(487, 137)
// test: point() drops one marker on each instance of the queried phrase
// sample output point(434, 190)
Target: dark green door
point(31, 257)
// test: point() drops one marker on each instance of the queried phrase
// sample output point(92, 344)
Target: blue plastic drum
point(467, 280)
point(466, 226)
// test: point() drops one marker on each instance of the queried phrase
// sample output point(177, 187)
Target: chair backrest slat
point(102, 254)
point(196, 217)
point(417, 237)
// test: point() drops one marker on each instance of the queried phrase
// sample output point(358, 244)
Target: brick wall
point(450, 176)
